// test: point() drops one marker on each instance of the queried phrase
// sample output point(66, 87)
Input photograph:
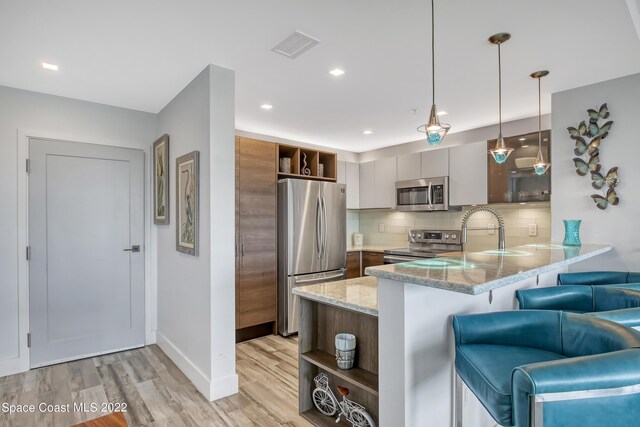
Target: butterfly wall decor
point(588, 138)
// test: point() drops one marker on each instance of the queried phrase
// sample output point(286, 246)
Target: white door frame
point(22, 362)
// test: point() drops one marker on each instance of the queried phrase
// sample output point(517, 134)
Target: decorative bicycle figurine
point(326, 402)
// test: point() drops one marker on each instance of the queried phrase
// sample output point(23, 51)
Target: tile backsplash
point(396, 225)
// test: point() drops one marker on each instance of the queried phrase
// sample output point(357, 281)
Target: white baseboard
point(223, 387)
point(212, 390)
point(199, 379)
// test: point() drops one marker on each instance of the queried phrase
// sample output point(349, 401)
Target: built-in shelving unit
point(319, 324)
point(320, 165)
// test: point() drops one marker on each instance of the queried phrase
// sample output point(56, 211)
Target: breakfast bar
point(415, 304)
point(401, 316)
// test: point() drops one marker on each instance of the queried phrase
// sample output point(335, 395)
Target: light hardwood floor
point(158, 394)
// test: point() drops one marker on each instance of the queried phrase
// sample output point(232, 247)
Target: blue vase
point(572, 232)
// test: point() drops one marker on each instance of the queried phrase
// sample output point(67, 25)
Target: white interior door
point(85, 211)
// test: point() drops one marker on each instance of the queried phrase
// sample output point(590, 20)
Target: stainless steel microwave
point(423, 195)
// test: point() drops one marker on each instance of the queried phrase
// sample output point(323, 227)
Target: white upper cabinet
point(386, 176)
point(367, 185)
point(349, 174)
point(468, 174)
point(378, 183)
point(353, 185)
point(435, 163)
point(409, 166)
point(341, 177)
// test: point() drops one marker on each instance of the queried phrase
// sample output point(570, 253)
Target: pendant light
point(500, 152)
point(435, 130)
point(540, 166)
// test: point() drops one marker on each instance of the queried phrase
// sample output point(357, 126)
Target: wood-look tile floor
point(157, 392)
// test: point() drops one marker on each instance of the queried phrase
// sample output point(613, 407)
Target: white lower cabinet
point(468, 174)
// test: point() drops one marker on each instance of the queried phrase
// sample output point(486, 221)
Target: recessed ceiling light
point(266, 106)
point(367, 132)
point(525, 146)
point(47, 66)
point(442, 113)
point(522, 139)
point(336, 72)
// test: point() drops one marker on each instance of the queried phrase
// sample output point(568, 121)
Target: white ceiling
point(139, 54)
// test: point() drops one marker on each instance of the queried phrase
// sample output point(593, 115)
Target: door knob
point(134, 248)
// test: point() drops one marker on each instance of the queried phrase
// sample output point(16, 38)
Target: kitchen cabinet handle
point(242, 251)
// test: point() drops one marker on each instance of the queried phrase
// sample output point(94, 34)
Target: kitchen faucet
point(477, 209)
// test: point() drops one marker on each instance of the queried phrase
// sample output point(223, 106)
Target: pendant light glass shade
point(500, 153)
point(435, 130)
point(540, 166)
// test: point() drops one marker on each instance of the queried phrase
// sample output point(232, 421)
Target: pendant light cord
point(499, 91)
point(433, 55)
point(539, 117)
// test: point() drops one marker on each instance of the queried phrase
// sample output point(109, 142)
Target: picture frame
point(188, 203)
point(160, 158)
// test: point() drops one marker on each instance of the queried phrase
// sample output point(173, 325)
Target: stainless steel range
point(425, 244)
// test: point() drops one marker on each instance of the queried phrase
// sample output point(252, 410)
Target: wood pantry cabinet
point(256, 234)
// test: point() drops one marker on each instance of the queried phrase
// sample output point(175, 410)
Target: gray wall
point(193, 292)
point(571, 193)
point(60, 118)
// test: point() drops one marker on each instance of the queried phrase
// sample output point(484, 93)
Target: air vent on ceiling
point(295, 45)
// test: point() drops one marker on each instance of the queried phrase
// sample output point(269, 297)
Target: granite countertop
point(370, 248)
point(359, 294)
point(479, 272)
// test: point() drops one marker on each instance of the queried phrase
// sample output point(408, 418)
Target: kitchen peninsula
point(415, 301)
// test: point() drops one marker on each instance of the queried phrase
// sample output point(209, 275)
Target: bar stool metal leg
point(458, 389)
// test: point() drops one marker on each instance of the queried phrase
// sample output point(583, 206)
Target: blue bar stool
point(619, 303)
point(548, 368)
point(598, 278)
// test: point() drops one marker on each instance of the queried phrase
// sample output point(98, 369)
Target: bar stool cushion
point(598, 278)
point(576, 298)
point(487, 371)
point(492, 347)
point(599, 301)
point(614, 297)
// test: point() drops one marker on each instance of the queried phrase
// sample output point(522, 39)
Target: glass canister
point(572, 232)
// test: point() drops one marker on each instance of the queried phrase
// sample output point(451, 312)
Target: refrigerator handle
point(324, 227)
point(318, 225)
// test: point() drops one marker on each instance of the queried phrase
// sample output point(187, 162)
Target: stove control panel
point(434, 236)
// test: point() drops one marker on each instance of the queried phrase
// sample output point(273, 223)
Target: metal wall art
point(588, 138)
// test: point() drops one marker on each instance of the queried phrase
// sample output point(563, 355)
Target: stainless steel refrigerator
point(311, 241)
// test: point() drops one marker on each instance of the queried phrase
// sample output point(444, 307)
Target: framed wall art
point(161, 180)
point(187, 202)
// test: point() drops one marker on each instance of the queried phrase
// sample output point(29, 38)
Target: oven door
point(396, 259)
point(423, 195)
